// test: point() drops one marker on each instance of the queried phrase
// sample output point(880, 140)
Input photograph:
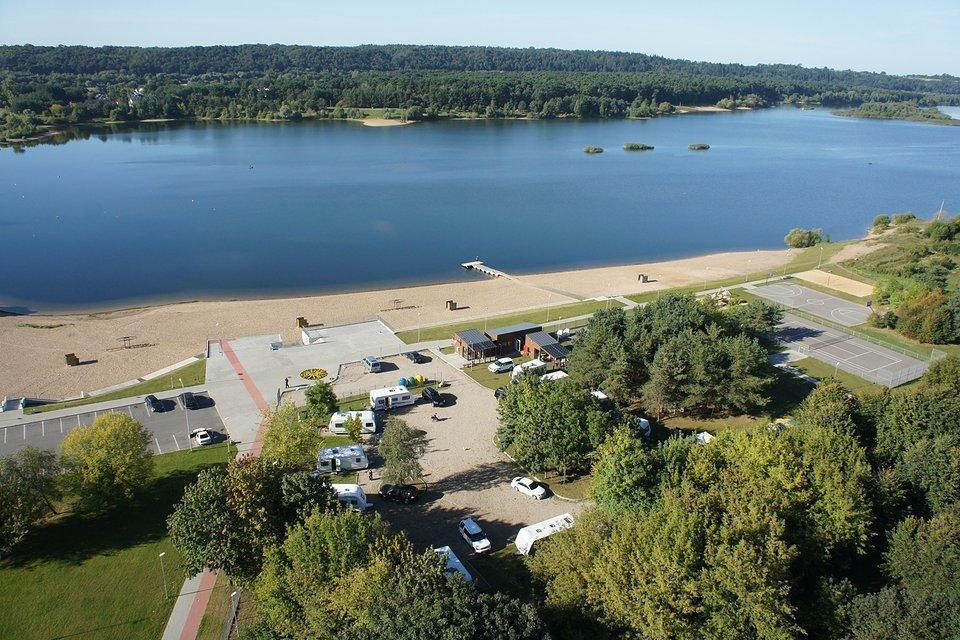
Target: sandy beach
point(383, 122)
point(34, 346)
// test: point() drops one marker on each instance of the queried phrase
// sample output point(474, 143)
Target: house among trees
point(511, 338)
point(544, 346)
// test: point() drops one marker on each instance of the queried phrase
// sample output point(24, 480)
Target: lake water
point(177, 212)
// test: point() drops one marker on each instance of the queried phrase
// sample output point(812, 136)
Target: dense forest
point(43, 87)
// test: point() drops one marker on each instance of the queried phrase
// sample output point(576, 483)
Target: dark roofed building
point(541, 344)
point(472, 344)
point(510, 339)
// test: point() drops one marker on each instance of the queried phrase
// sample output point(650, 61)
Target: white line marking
point(43, 429)
point(61, 425)
point(130, 409)
point(159, 450)
point(24, 432)
point(175, 441)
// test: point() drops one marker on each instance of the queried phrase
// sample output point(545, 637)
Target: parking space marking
point(159, 450)
point(61, 425)
point(43, 428)
point(24, 432)
point(175, 441)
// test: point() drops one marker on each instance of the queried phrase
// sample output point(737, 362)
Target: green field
point(823, 371)
point(99, 576)
point(540, 315)
point(192, 374)
point(803, 260)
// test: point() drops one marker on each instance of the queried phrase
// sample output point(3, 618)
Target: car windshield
point(476, 536)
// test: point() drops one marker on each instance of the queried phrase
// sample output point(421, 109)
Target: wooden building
point(510, 339)
point(541, 344)
point(472, 344)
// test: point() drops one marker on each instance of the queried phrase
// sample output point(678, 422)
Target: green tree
point(354, 427)
point(290, 441)
point(107, 463)
point(881, 223)
point(401, 448)
point(758, 317)
point(944, 372)
point(830, 406)
point(27, 491)
point(321, 402)
point(927, 318)
point(799, 238)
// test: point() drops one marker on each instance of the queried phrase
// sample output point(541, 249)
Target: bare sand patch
point(33, 359)
point(383, 122)
point(839, 283)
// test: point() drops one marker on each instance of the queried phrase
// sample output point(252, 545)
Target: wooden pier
point(477, 265)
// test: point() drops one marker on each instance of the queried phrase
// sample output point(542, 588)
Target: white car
point(474, 535)
point(202, 436)
point(501, 365)
point(529, 487)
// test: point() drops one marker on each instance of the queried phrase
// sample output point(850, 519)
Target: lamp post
point(163, 572)
point(821, 257)
point(186, 412)
point(234, 603)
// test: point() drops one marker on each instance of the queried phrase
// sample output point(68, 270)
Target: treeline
point(52, 86)
point(909, 110)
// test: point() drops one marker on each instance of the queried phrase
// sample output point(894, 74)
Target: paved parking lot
point(170, 428)
point(796, 296)
point(467, 475)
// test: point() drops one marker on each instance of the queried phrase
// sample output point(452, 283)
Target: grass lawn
point(484, 376)
point(193, 374)
point(803, 260)
point(571, 488)
point(99, 576)
point(539, 315)
point(504, 570)
point(822, 371)
point(211, 627)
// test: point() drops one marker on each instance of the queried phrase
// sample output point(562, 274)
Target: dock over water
point(477, 265)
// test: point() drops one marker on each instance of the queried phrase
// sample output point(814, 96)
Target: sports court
point(854, 355)
point(796, 296)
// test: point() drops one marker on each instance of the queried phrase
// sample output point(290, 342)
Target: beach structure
point(473, 344)
point(527, 536)
point(510, 339)
point(541, 344)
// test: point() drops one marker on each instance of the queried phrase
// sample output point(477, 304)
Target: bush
point(927, 318)
point(800, 238)
point(881, 223)
point(903, 218)
point(637, 146)
point(593, 149)
point(885, 320)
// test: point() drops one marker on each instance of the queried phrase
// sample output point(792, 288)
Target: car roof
point(471, 526)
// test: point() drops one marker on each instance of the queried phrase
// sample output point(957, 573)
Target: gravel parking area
point(466, 474)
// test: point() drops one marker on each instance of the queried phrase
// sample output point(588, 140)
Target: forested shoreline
point(45, 87)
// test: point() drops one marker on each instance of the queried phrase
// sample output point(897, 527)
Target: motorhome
point(454, 565)
point(344, 458)
point(391, 398)
point(338, 421)
point(527, 536)
point(533, 365)
point(352, 496)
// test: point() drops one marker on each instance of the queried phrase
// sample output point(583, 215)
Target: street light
point(163, 571)
point(234, 603)
point(186, 412)
point(821, 257)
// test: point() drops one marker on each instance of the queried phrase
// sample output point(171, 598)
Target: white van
point(338, 421)
point(348, 457)
point(391, 398)
point(352, 496)
point(529, 535)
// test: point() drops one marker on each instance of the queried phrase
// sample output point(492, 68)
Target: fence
point(881, 377)
point(935, 354)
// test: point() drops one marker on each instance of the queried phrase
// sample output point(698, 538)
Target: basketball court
point(796, 296)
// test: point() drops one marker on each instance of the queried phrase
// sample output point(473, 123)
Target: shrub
point(637, 146)
point(593, 149)
point(903, 218)
point(885, 320)
point(881, 223)
point(799, 238)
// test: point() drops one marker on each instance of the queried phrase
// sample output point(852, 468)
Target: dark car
point(415, 357)
point(188, 400)
point(152, 403)
point(433, 396)
point(499, 392)
point(404, 493)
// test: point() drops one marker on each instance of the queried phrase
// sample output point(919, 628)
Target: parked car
point(373, 364)
point(500, 365)
point(474, 535)
point(153, 404)
point(415, 357)
point(188, 400)
point(499, 392)
point(405, 493)
point(529, 487)
point(202, 436)
point(433, 396)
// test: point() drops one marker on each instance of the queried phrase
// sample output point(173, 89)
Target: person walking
point(286, 382)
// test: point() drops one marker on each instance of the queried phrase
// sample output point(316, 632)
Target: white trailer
point(338, 421)
point(527, 536)
point(391, 398)
point(352, 496)
point(532, 365)
point(454, 565)
point(348, 457)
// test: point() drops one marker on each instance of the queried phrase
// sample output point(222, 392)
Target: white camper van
point(344, 458)
point(352, 496)
point(390, 398)
point(532, 365)
point(529, 535)
point(338, 421)
point(454, 565)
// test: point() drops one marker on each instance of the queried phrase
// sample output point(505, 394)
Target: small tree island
point(698, 147)
point(593, 149)
point(637, 146)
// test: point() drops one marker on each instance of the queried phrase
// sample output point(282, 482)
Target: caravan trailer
point(529, 535)
point(338, 422)
point(348, 457)
point(391, 398)
point(351, 496)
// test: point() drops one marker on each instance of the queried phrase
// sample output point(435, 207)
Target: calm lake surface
point(178, 212)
